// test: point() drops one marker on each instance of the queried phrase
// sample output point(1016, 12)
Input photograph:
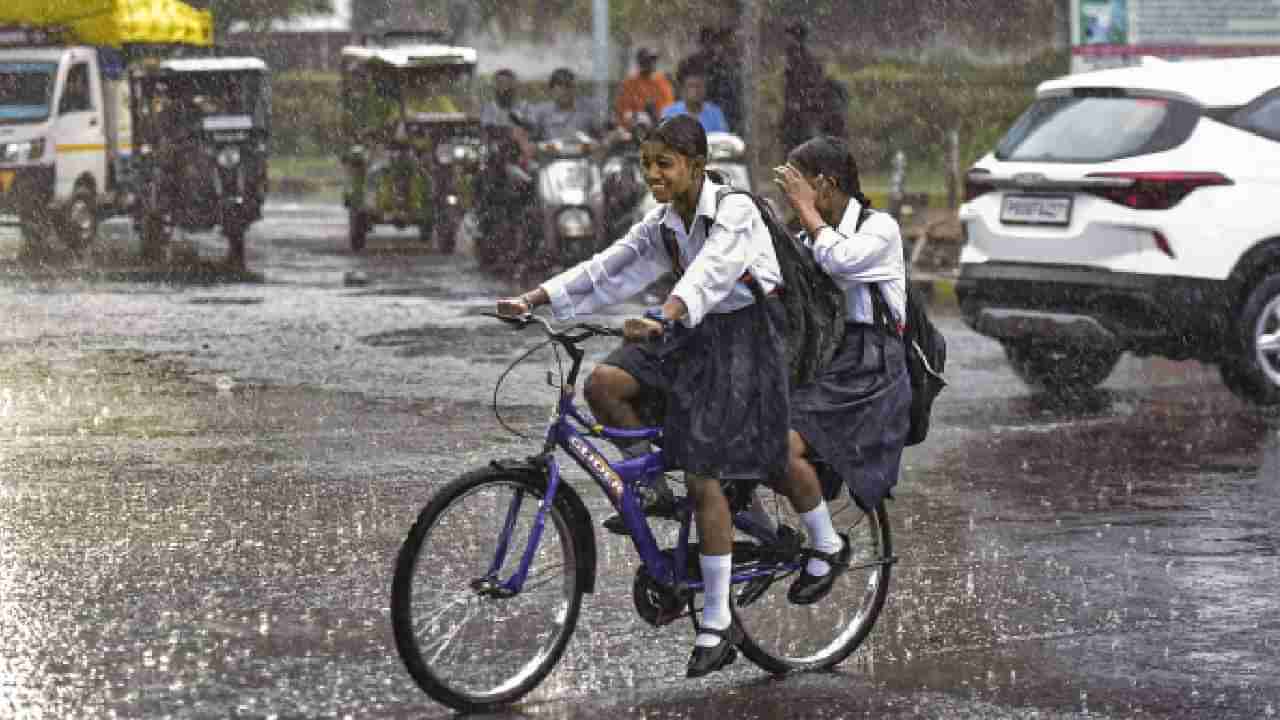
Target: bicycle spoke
point(782, 636)
point(466, 643)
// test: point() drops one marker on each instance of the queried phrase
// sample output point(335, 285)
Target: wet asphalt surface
point(204, 482)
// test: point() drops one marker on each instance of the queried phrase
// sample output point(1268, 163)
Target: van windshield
point(1093, 128)
point(25, 91)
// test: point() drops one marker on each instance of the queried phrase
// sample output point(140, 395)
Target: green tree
point(258, 14)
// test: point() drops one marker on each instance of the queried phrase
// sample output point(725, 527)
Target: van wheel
point(1060, 369)
point(80, 221)
point(1255, 375)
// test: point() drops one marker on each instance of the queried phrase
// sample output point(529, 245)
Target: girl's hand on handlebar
point(641, 329)
point(513, 307)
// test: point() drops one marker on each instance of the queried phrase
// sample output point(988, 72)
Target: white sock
point(716, 570)
point(823, 537)
point(759, 515)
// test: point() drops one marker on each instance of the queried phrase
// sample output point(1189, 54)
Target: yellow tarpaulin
point(115, 22)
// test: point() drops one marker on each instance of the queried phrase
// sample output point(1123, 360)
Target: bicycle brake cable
point(498, 385)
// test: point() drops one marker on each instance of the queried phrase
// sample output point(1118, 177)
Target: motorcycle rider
point(693, 92)
point(564, 116)
point(504, 110)
point(646, 91)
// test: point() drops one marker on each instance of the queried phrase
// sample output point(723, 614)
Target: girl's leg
point(611, 392)
point(715, 538)
point(804, 491)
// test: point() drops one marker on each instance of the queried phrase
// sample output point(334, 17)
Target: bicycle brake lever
point(520, 320)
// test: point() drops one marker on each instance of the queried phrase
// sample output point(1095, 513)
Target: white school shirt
point(872, 254)
point(714, 262)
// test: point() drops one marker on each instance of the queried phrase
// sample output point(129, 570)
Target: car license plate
point(1036, 210)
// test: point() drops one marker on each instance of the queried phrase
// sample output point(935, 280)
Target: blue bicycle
point(489, 582)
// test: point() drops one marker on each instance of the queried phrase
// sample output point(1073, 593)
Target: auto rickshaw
point(201, 131)
point(411, 120)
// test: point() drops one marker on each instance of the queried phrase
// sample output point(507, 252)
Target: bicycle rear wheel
point(782, 638)
point(465, 641)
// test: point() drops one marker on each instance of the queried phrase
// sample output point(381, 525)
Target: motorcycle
point(626, 196)
point(542, 202)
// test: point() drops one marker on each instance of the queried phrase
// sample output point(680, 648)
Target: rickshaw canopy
point(115, 23)
point(410, 56)
point(214, 64)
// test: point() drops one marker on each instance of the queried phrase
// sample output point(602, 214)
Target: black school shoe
point(706, 660)
point(661, 505)
point(809, 589)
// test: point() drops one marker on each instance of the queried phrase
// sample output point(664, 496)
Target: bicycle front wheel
point(465, 637)
point(782, 638)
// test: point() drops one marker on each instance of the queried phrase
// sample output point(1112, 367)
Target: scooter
point(570, 194)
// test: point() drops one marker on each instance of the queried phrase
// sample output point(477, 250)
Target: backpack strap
point(673, 248)
point(882, 316)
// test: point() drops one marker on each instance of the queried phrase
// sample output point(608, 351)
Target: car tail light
point(1154, 190)
point(977, 182)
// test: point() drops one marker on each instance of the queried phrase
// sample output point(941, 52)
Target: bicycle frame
point(619, 482)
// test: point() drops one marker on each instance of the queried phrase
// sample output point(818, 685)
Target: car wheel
point(1233, 378)
point(1058, 368)
point(1255, 375)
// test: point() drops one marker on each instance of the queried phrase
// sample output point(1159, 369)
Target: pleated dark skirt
point(854, 416)
point(722, 388)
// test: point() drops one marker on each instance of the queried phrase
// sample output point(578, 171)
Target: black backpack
point(926, 352)
point(814, 303)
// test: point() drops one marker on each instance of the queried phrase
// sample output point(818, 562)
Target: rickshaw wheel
point(426, 230)
point(154, 239)
point(235, 247)
point(358, 224)
point(449, 235)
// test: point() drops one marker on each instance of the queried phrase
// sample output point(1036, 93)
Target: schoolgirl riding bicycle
point(717, 358)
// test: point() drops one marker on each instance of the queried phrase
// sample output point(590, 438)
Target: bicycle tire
point(783, 638)
point(470, 651)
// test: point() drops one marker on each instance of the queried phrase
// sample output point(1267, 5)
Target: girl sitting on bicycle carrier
point(718, 358)
point(855, 414)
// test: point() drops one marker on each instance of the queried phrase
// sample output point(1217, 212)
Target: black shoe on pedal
point(706, 660)
point(661, 505)
point(809, 589)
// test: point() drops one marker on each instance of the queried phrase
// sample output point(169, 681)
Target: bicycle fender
point(575, 510)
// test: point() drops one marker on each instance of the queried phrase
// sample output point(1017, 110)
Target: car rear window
point(1087, 127)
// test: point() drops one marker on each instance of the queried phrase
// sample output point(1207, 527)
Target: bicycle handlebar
point(564, 336)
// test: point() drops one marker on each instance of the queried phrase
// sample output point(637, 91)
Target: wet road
point(203, 487)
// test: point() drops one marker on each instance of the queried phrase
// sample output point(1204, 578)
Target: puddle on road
point(1114, 546)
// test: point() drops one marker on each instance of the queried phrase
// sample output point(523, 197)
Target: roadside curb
point(939, 288)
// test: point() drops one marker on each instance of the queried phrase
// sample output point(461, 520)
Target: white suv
point(1134, 209)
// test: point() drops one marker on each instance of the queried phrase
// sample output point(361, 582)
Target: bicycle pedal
point(753, 590)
